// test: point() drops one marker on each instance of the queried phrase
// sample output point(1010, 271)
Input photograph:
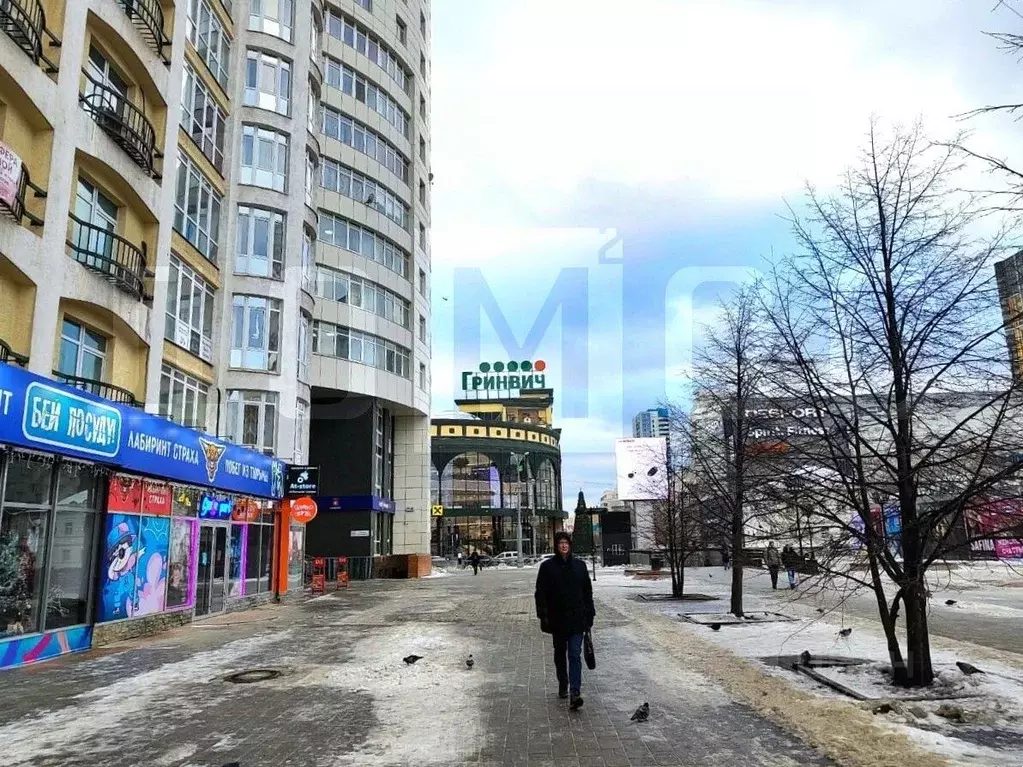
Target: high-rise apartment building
point(1009, 277)
point(218, 211)
point(651, 423)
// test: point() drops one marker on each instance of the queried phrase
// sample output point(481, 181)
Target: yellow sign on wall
point(438, 511)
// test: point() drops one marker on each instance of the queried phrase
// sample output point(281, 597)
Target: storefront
point(116, 522)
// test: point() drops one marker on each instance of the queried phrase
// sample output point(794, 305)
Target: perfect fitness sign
point(36, 412)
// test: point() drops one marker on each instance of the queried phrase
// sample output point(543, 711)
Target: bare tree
point(891, 334)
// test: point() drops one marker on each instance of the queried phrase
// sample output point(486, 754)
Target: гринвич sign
point(36, 412)
point(506, 376)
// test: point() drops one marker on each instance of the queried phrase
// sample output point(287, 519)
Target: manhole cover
point(254, 675)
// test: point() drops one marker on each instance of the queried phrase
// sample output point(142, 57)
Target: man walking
point(790, 560)
point(475, 560)
point(564, 605)
point(773, 560)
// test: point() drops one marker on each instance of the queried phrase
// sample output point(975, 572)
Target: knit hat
point(562, 535)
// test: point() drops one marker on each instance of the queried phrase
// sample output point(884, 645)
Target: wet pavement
point(344, 696)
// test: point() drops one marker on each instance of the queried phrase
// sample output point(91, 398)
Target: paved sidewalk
point(346, 698)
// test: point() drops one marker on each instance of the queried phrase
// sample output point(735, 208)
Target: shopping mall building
point(496, 461)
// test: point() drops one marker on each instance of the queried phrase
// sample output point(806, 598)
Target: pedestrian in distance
point(773, 560)
point(459, 559)
point(789, 560)
point(475, 560)
point(726, 559)
point(564, 605)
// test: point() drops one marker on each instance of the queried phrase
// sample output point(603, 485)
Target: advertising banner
point(10, 175)
point(36, 412)
point(641, 468)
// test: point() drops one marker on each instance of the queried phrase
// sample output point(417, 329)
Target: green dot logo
point(513, 366)
point(484, 367)
point(498, 367)
point(525, 366)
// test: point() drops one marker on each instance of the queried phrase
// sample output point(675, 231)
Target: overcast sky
point(629, 160)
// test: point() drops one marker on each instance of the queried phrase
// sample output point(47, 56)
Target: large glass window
point(346, 234)
point(189, 318)
point(301, 429)
point(255, 333)
point(305, 332)
point(206, 34)
point(296, 557)
point(196, 208)
point(260, 243)
point(471, 480)
point(267, 82)
point(264, 158)
point(356, 186)
point(274, 17)
point(310, 179)
point(308, 261)
point(183, 398)
point(365, 140)
point(252, 419)
point(356, 36)
point(179, 562)
point(344, 343)
point(258, 558)
point(352, 83)
point(347, 288)
point(74, 529)
point(93, 242)
point(202, 118)
point(82, 352)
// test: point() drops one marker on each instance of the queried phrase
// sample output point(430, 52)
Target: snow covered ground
point(969, 720)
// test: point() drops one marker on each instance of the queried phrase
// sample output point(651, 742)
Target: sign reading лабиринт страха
point(37, 413)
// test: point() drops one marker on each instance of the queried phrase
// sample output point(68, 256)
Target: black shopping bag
point(588, 654)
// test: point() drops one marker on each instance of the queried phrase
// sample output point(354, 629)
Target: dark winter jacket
point(772, 557)
point(789, 558)
point(564, 596)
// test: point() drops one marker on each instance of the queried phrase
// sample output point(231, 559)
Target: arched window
point(547, 486)
point(470, 480)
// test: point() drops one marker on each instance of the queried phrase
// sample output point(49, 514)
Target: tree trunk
point(919, 672)
point(738, 558)
point(899, 671)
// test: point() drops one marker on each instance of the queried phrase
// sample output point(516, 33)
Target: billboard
point(641, 468)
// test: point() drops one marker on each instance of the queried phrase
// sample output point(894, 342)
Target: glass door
point(218, 587)
point(204, 574)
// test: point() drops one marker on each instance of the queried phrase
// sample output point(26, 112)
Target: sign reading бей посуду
point(38, 413)
point(506, 376)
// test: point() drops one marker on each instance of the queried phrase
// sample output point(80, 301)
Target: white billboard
point(641, 468)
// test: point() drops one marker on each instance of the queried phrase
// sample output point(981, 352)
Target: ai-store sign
point(36, 412)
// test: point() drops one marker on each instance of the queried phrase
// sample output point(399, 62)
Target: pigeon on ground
point(805, 657)
point(968, 668)
point(641, 713)
point(820, 610)
point(469, 662)
point(845, 632)
point(410, 659)
point(950, 602)
point(715, 627)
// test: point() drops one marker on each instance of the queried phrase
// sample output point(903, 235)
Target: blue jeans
point(792, 578)
point(572, 646)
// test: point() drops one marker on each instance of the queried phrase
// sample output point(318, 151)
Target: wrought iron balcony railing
point(147, 16)
point(122, 121)
point(117, 259)
point(7, 354)
point(24, 21)
point(16, 210)
point(100, 389)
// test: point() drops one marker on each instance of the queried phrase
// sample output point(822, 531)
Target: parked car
point(507, 557)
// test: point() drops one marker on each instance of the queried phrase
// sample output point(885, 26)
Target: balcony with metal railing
point(24, 21)
point(7, 354)
point(16, 209)
point(124, 122)
point(147, 16)
point(99, 388)
point(121, 262)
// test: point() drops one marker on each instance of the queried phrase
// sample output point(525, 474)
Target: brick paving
point(346, 699)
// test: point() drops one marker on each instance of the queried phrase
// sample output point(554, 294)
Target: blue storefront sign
point(355, 503)
point(36, 412)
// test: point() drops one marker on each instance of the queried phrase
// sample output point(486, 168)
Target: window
point(331, 340)
point(189, 318)
point(252, 419)
point(367, 4)
point(308, 261)
point(361, 293)
point(100, 73)
point(255, 333)
point(202, 118)
point(380, 469)
point(422, 149)
point(99, 214)
point(314, 107)
point(273, 17)
point(260, 243)
point(422, 376)
point(352, 184)
point(301, 429)
point(343, 28)
point(183, 398)
point(305, 332)
point(352, 83)
point(365, 140)
point(206, 34)
point(402, 29)
point(196, 208)
point(82, 352)
point(422, 282)
point(267, 82)
point(258, 558)
point(346, 234)
point(422, 328)
point(310, 179)
point(264, 158)
point(422, 235)
point(422, 193)
point(422, 64)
